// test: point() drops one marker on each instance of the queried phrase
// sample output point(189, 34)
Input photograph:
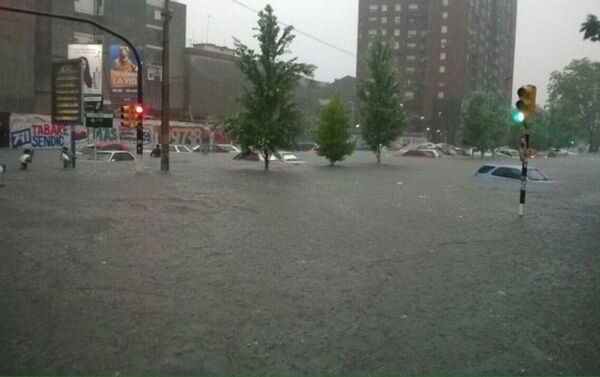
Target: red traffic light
point(139, 109)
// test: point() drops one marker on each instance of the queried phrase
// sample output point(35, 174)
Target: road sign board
point(99, 120)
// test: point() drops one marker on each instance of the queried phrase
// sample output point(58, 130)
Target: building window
point(411, 58)
point(410, 70)
point(409, 95)
point(372, 32)
point(444, 42)
point(441, 84)
point(442, 68)
point(383, 32)
point(372, 19)
point(444, 29)
point(413, 6)
point(384, 8)
point(396, 45)
point(373, 8)
point(412, 33)
point(384, 20)
point(443, 56)
point(397, 20)
point(445, 3)
point(444, 15)
point(397, 32)
point(440, 95)
point(411, 45)
point(398, 7)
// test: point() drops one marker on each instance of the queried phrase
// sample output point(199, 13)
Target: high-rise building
point(444, 50)
point(30, 44)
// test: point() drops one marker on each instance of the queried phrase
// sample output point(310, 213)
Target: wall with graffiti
point(37, 131)
point(123, 135)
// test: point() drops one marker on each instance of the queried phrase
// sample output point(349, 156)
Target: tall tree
point(551, 129)
point(591, 28)
point(269, 119)
point(382, 117)
point(574, 93)
point(485, 121)
point(333, 135)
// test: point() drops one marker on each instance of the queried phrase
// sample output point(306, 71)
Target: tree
point(574, 96)
point(333, 135)
point(382, 117)
point(269, 119)
point(485, 121)
point(551, 130)
point(591, 28)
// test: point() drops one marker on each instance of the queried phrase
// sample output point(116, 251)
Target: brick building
point(444, 51)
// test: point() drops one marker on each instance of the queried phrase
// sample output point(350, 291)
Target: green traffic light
point(518, 117)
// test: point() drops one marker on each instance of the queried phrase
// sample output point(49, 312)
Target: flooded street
point(412, 266)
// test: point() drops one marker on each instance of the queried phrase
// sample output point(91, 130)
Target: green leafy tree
point(382, 117)
point(591, 28)
point(333, 135)
point(269, 119)
point(551, 130)
point(574, 98)
point(486, 121)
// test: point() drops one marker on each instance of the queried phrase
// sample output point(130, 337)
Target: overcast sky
point(548, 35)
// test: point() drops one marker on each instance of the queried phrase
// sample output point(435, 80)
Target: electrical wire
point(307, 35)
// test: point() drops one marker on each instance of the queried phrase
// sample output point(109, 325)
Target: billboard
point(123, 72)
point(67, 96)
point(91, 66)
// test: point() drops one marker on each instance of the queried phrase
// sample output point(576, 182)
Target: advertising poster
point(38, 132)
point(91, 58)
point(123, 73)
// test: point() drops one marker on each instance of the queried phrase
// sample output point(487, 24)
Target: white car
point(111, 156)
point(179, 148)
point(507, 152)
point(289, 158)
point(426, 146)
point(511, 172)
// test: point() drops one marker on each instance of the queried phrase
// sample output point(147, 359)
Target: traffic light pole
point(140, 98)
point(523, 149)
point(526, 112)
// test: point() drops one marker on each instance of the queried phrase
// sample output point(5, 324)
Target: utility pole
point(207, 27)
point(165, 137)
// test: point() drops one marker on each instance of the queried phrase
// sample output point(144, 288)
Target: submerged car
point(111, 156)
point(426, 153)
point(107, 146)
point(216, 148)
point(510, 172)
point(507, 152)
point(178, 148)
point(288, 157)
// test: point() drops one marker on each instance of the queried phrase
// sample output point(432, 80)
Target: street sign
point(67, 96)
point(92, 104)
point(99, 120)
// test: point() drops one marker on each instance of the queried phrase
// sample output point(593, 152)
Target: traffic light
point(526, 104)
point(139, 113)
point(127, 116)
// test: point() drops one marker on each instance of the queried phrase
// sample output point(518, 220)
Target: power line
point(307, 35)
